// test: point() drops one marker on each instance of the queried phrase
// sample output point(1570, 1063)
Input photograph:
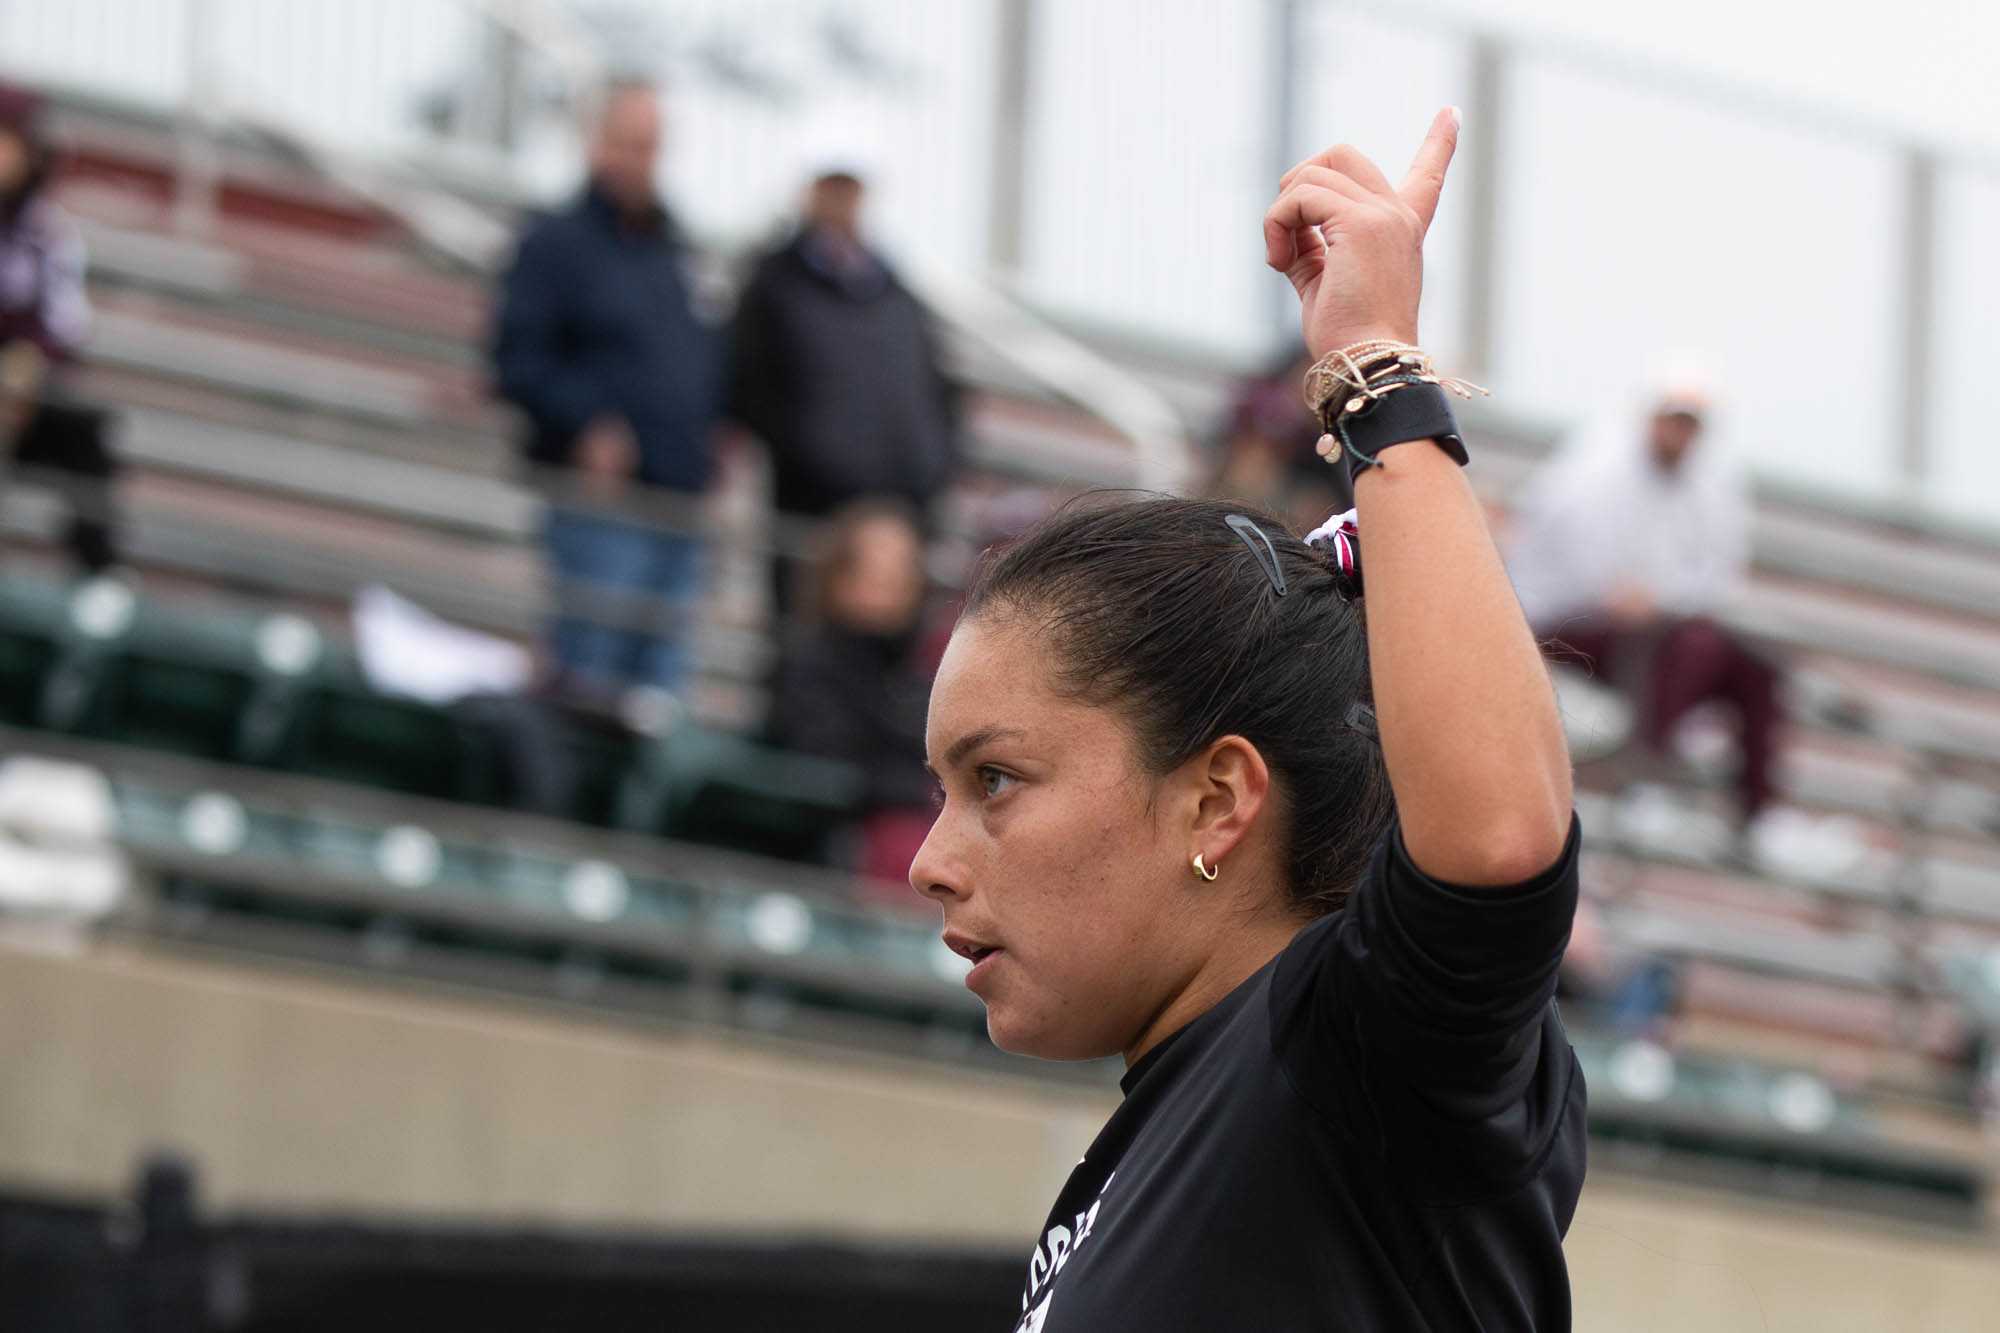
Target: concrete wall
point(324, 1094)
point(1650, 1260)
point(309, 1093)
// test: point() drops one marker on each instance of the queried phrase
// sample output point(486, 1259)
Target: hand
point(606, 454)
point(1353, 245)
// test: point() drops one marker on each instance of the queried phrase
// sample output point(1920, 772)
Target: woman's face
point(15, 160)
point(882, 589)
point(1055, 856)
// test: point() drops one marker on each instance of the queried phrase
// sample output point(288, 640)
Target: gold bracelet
point(1353, 376)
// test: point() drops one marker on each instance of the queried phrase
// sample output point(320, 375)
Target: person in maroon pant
point(1626, 545)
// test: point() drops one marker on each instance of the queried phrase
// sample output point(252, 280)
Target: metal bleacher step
point(1825, 618)
point(1954, 576)
point(492, 508)
point(1954, 882)
point(304, 327)
point(312, 381)
point(136, 387)
point(212, 276)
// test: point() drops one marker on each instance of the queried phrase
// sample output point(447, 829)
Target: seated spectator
point(60, 443)
point(1625, 546)
point(836, 368)
point(1269, 458)
point(848, 683)
point(44, 318)
point(406, 651)
point(599, 344)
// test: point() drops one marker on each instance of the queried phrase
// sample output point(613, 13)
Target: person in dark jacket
point(1269, 453)
point(54, 440)
point(48, 435)
point(598, 342)
point(835, 365)
point(849, 684)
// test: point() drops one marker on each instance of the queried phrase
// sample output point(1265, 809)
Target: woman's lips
point(982, 965)
point(975, 951)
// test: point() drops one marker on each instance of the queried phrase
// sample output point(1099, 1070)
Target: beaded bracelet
point(1360, 379)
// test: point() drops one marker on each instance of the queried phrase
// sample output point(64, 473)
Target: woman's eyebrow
point(972, 740)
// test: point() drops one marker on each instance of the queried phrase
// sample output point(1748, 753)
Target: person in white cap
point(1626, 545)
point(835, 365)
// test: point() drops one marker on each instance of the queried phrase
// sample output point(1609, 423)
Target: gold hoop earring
point(1206, 872)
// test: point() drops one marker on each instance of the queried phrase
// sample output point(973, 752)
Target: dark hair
point(1157, 607)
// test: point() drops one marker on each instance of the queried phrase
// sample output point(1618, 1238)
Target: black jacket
point(596, 319)
point(64, 445)
point(839, 373)
point(856, 697)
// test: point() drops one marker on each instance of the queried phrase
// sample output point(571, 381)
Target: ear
point(1230, 784)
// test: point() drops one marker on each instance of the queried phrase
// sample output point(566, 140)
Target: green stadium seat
point(99, 660)
point(168, 701)
point(726, 791)
point(600, 759)
point(31, 618)
point(134, 673)
point(347, 732)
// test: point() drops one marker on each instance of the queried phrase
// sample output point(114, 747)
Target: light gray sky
point(1925, 65)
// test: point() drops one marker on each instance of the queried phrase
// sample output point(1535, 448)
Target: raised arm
point(1468, 719)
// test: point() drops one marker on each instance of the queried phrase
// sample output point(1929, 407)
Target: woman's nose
point(929, 869)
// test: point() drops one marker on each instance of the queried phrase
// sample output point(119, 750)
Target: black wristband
point(1417, 410)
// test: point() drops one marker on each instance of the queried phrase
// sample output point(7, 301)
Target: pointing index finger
point(1424, 181)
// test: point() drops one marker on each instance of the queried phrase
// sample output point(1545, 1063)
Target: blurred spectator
point(44, 318)
point(41, 256)
point(406, 651)
point(1268, 455)
point(59, 443)
point(836, 366)
point(598, 342)
point(848, 683)
point(1625, 544)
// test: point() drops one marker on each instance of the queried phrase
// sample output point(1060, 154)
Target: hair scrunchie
point(1339, 539)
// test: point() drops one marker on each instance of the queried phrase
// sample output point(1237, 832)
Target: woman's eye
point(992, 781)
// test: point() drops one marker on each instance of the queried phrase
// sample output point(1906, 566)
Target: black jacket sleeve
point(762, 383)
point(559, 394)
point(829, 699)
point(1421, 1019)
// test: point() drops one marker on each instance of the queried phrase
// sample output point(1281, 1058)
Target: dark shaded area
point(151, 1265)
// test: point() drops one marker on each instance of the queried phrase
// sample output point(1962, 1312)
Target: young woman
point(1311, 880)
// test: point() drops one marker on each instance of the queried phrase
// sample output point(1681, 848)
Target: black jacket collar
point(655, 224)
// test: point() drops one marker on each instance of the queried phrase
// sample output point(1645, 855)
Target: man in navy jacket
point(599, 344)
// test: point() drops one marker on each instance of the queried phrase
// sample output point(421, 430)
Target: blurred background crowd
point(486, 484)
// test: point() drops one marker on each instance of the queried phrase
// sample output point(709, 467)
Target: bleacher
point(304, 415)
